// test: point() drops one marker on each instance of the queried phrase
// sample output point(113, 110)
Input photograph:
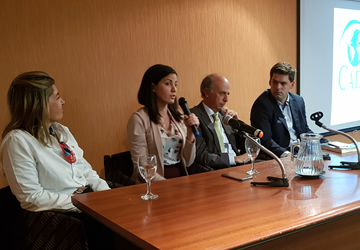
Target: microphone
point(183, 104)
point(242, 126)
point(273, 181)
point(344, 164)
point(316, 117)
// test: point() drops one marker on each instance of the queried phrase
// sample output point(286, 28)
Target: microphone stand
point(273, 181)
point(344, 164)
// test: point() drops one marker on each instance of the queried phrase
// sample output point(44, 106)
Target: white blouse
point(39, 176)
point(172, 142)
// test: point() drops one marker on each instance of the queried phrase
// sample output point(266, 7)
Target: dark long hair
point(147, 97)
point(27, 100)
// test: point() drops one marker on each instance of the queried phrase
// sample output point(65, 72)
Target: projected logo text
point(349, 45)
point(345, 90)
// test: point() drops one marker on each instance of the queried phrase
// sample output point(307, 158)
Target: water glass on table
point(147, 165)
point(252, 150)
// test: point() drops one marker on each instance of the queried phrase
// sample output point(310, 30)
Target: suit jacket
point(267, 116)
point(144, 138)
point(208, 152)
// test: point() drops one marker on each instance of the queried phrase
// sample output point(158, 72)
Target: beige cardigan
point(144, 138)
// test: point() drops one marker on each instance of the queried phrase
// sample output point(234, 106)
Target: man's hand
point(230, 112)
point(242, 159)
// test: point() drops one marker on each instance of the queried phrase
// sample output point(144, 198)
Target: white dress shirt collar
point(209, 111)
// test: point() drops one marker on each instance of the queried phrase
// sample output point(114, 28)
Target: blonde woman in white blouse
point(37, 169)
point(41, 159)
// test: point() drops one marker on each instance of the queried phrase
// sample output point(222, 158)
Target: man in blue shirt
point(279, 113)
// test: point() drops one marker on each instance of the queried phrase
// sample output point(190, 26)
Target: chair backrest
point(21, 229)
point(119, 168)
point(11, 215)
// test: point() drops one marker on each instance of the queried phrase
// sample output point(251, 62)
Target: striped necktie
point(217, 126)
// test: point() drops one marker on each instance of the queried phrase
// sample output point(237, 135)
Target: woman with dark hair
point(159, 128)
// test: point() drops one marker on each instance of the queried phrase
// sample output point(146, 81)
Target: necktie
point(217, 127)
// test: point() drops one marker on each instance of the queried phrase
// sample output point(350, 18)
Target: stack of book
point(339, 147)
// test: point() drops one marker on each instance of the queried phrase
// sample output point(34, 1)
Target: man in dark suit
point(216, 148)
point(279, 113)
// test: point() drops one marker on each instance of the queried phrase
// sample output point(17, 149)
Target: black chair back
point(22, 229)
point(11, 215)
point(119, 168)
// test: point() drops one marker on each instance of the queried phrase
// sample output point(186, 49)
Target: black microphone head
point(317, 116)
point(182, 101)
point(183, 104)
point(226, 119)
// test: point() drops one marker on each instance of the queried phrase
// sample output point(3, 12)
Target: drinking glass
point(252, 150)
point(147, 167)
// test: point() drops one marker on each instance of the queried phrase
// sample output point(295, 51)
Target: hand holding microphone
point(192, 119)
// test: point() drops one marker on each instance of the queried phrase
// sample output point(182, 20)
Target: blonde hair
point(27, 100)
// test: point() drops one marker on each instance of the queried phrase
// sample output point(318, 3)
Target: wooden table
point(208, 211)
